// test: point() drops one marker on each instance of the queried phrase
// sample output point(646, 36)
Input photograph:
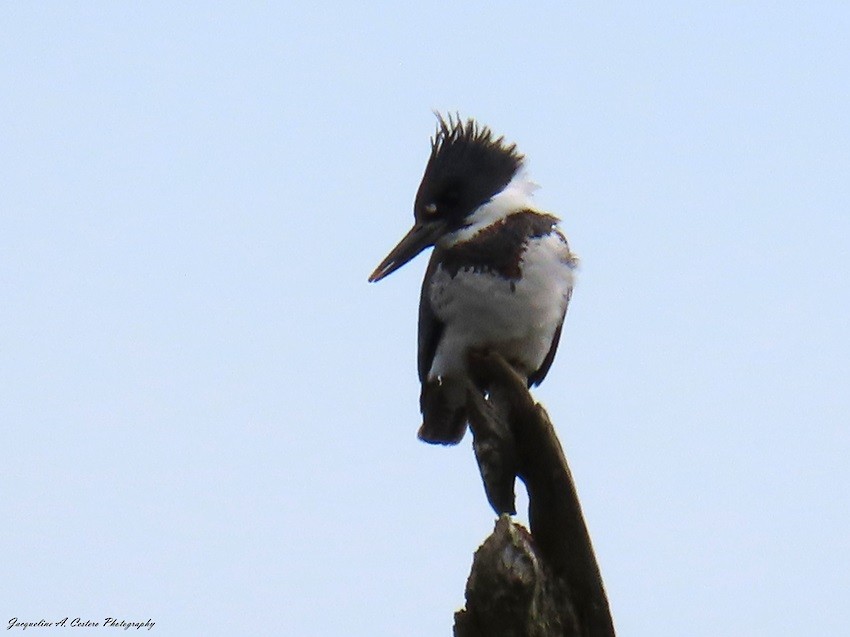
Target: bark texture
point(545, 582)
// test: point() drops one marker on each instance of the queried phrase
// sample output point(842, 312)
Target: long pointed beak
point(422, 235)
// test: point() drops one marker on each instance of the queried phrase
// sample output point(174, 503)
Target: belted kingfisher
point(500, 276)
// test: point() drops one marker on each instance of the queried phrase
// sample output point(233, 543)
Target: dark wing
point(430, 327)
point(537, 377)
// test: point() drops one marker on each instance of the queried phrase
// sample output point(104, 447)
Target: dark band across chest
point(498, 248)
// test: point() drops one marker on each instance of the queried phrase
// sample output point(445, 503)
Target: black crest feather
point(454, 135)
point(467, 166)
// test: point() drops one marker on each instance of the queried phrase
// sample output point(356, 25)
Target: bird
point(500, 276)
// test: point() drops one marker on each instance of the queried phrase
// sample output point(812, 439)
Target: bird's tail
point(443, 405)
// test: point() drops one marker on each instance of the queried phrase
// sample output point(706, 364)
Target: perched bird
point(499, 279)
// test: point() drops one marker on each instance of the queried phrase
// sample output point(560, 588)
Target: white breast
point(517, 318)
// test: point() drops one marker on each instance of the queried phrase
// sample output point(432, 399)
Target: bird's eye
point(431, 209)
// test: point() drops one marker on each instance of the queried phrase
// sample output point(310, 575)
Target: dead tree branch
point(541, 584)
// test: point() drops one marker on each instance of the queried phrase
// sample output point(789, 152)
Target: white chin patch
point(515, 197)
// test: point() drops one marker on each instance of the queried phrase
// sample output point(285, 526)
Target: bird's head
point(467, 167)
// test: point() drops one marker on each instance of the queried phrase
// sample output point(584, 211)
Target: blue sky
point(208, 416)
